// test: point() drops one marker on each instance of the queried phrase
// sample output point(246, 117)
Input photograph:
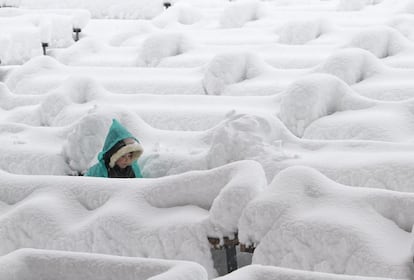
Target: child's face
point(124, 161)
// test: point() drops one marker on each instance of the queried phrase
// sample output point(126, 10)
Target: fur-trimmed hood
point(118, 142)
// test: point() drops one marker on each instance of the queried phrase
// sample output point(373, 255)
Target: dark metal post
point(44, 47)
point(167, 5)
point(231, 257)
point(77, 31)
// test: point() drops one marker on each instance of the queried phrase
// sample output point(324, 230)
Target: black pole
point(77, 31)
point(44, 47)
point(167, 5)
point(231, 257)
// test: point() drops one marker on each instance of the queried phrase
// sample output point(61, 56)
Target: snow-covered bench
point(168, 218)
point(36, 264)
point(307, 221)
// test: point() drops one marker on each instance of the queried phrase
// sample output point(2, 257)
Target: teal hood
point(116, 133)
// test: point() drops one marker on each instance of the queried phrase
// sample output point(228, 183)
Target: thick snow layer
point(166, 218)
point(306, 221)
point(125, 9)
point(20, 40)
point(36, 264)
point(260, 272)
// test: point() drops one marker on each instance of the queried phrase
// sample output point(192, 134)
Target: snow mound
point(316, 96)
point(182, 13)
point(260, 272)
point(35, 264)
point(381, 41)
point(86, 46)
point(161, 45)
point(31, 68)
point(403, 23)
point(9, 101)
point(168, 218)
point(75, 90)
point(83, 142)
point(297, 32)
point(238, 13)
point(351, 65)
point(229, 68)
point(306, 221)
point(246, 137)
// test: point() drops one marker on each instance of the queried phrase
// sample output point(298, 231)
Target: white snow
point(288, 123)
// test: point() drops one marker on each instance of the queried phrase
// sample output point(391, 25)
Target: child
point(118, 158)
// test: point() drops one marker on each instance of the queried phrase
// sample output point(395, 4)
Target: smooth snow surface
point(286, 123)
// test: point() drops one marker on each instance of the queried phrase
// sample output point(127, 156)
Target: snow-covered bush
point(381, 41)
point(228, 68)
point(237, 13)
point(302, 31)
point(351, 65)
point(316, 96)
point(306, 221)
point(161, 45)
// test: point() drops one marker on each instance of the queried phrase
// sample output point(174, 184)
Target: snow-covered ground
point(287, 122)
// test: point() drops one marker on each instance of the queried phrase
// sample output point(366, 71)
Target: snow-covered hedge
point(238, 13)
point(35, 264)
point(381, 41)
point(352, 65)
point(160, 45)
point(307, 221)
point(296, 32)
point(314, 97)
point(119, 9)
point(261, 272)
point(228, 68)
point(168, 218)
